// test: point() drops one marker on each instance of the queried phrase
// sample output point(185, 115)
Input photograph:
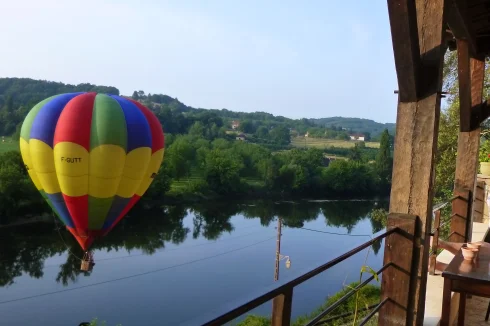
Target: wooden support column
point(399, 280)
point(416, 133)
point(470, 75)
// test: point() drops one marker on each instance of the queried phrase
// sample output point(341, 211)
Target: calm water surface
point(168, 265)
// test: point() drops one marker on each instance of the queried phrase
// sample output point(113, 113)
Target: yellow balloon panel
point(43, 162)
point(107, 161)
point(103, 187)
point(134, 170)
point(41, 156)
point(151, 171)
point(106, 169)
point(72, 166)
point(26, 157)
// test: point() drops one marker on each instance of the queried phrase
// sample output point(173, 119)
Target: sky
point(313, 59)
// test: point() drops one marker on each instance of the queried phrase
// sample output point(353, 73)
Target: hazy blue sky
point(315, 58)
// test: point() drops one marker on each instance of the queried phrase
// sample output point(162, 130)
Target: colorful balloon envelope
point(91, 156)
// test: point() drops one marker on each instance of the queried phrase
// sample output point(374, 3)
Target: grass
point(323, 143)
point(8, 145)
point(178, 186)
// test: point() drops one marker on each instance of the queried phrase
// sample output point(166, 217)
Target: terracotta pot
point(474, 245)
point(469, 254)
point(485, 168)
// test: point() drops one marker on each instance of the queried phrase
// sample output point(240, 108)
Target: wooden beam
point(416, 134)
point(456, 16)
point(398, 280)
point(464, 80)
point(471, 73)
point(479, 114)
point(403, 23)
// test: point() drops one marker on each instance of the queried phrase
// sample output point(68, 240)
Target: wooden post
point(416, 25)
point(435, 243)
point(399, 281)
point(281, 313)
point(470, 75)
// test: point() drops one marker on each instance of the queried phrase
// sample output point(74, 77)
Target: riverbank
point(368, 296)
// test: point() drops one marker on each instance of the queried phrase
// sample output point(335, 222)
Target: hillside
point(356, 124)
point(18, 95)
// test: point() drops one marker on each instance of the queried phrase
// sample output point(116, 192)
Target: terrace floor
point(476, 308)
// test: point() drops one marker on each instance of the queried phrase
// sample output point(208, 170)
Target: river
point(165, 265)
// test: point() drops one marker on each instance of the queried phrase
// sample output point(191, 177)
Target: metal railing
point(284, 292)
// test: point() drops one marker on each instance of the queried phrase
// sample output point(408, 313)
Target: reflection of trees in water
point(346, 213)
point(212, 220)
point(265, 210)
point(70, 270)
point(293, 214)
point(147, 230)
point(24, 249)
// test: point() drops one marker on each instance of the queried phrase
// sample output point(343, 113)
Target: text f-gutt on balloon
point(91, 156)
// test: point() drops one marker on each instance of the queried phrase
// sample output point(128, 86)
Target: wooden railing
point(459, 204)
point(283, 292)
point(436, 233)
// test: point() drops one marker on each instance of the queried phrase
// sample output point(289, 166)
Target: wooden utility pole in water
point(276, 302)
point(278, 248)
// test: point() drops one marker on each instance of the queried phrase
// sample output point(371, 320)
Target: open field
point(8, 145)
point(323, 143)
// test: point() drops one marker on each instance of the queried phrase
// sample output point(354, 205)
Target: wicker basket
point(85, 265)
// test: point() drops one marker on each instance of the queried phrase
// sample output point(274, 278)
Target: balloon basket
point(87, 262)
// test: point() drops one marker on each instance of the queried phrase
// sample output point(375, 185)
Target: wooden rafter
point(480, 113)
point(464, 78)
point(470, 77)
point(459, 23)
point(403, 23)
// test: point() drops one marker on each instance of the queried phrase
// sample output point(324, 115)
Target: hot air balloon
point(91, 156)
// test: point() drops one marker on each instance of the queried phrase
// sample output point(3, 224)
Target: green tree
point(197, 129)
point(447, 143)
point(247, 126)
point(161, 184)
point(262, 132)
point(222, 171)
point(280, 135)
point(355, 153)
point(135, 96)
point(180, 156)
point(384, 161)
point(268, 169)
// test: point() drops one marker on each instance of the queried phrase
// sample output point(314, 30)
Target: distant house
point(307, 134)
point(235, 124)
point(241, 137)
point(357, 137)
